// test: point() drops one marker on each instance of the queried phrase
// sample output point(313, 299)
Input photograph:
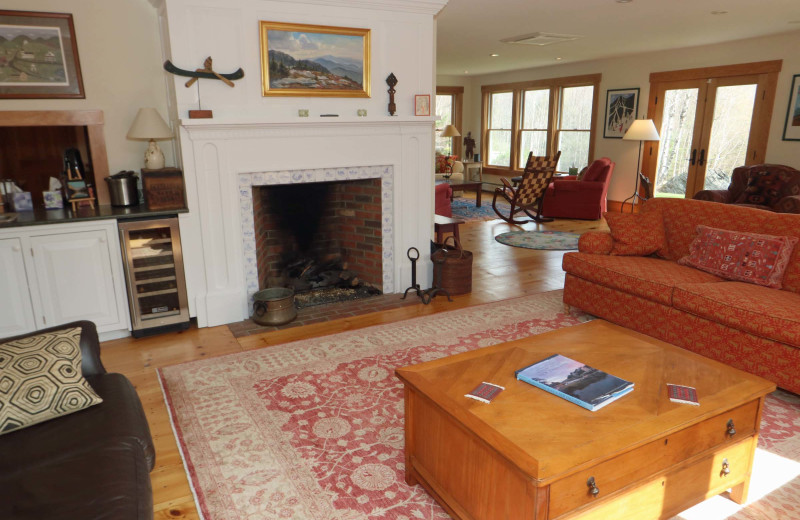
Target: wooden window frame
point(518, 88)
point(457, 116)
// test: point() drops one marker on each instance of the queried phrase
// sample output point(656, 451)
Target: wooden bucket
point(452, 268)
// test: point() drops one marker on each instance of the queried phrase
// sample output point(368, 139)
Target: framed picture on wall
point(622, 105)
point(422, 105)
point(314, 60)
point(39, 56)
point(791, 129)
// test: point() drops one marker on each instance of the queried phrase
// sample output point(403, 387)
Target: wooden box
point(163, 189)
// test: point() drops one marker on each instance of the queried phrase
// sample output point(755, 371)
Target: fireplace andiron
point(428, 294)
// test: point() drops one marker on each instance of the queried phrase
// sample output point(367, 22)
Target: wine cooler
point(154, 274)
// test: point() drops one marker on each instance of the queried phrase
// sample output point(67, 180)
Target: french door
point(708, 125)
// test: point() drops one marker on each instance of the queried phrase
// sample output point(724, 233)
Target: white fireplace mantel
point(261, 135)
point(217, 154)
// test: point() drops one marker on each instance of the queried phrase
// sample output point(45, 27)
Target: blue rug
point(465, 209)
point(555, 240)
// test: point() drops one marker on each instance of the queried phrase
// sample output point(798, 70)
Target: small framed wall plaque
point(163, 189)
point(422, 105)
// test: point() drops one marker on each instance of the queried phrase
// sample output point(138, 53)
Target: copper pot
point(274, 306)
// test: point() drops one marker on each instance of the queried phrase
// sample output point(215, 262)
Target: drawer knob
point(593, 489)
point(726, 468)
point(731, 430)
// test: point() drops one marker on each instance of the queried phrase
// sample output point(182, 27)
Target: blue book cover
point(575, 381)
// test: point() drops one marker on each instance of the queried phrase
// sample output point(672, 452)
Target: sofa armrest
point(89, 343)
point(713, 196)
point(596, 243)
point(790, 204)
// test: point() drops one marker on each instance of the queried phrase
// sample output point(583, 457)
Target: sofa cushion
point(682, 216)
point(764, 187)
point(119, 416)
point(109, 480)
point(745, 257)
point(768, 313)
point(637, 234)
point(647, 277)
point(40, 379)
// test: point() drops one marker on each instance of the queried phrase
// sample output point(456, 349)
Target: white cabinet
point(65, 272)
point(16, 312)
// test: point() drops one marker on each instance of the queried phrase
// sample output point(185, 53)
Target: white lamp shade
point(642, 130)
point(149, 125)
point(450, 131)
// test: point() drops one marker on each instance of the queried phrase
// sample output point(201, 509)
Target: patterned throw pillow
point(637, 234)
point(745, 257)
point(40, 379)
point(764, 188)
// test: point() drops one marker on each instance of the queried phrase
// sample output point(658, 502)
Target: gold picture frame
point(331, 62)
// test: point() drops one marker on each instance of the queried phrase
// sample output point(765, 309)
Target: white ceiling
point(470, 30)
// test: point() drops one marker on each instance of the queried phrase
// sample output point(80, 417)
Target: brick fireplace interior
point(317, 224)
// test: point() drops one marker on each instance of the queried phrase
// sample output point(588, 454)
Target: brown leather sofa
point(92, 464)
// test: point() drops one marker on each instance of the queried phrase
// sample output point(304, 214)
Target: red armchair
point(568, 197)
point(441, 200)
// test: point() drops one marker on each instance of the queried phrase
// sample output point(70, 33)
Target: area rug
point(555, 240)
point(464, 209)
point(313, 430)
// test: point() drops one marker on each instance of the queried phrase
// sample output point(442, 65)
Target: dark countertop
point(40, 216)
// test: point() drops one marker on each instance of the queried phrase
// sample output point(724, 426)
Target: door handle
point(693, 157)
point(702, 159)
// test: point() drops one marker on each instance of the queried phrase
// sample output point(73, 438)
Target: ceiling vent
point(541, 39)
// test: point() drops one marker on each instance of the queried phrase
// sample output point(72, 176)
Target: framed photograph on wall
point(622, 105)
point(422, 105)
point(791, 129)
point(314, 60)
point(39, 56)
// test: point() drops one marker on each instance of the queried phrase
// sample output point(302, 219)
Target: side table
point(473, 165)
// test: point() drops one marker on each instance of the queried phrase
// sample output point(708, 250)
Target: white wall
point(402, 43)
point(634, 71)
point(120, 57)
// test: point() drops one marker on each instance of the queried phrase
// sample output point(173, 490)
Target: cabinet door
point(75, 277)
point(16, 312)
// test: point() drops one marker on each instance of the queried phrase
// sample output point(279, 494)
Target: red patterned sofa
point(750, 327)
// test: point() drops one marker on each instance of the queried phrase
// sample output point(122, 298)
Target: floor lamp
point(641, 130)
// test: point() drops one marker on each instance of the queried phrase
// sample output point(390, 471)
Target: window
point(448, 112)
point(499, 131)
point(533, 134)
point(542, 117)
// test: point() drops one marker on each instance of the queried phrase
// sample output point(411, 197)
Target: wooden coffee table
point(531, 455)
point(464, 185)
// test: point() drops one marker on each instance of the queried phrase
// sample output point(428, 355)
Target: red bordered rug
point(314, 429)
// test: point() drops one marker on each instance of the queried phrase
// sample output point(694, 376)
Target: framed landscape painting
point(38, 56)
point(791, 129)
point(314, 60)
point(622, 106)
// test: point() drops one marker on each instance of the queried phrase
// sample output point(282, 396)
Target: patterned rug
point(464, 208)
point(557, 240)
point(313, 430)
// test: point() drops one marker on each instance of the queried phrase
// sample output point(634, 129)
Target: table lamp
point(149, 125)
point(450, 131)
point(641, 130)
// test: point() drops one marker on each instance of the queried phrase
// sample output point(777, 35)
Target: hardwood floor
point(499, 272)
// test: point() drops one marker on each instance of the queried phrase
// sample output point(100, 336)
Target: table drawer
point(667, 494)
point(634, 466)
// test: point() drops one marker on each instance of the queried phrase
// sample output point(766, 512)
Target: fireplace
point(318, 213)
point(322, 239)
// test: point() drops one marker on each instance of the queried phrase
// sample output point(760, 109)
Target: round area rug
point(556, 240)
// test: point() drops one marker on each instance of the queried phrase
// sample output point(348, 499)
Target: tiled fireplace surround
point(351, 218)
point(224, 160)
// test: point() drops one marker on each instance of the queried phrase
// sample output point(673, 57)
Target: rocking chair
point(528, 193)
